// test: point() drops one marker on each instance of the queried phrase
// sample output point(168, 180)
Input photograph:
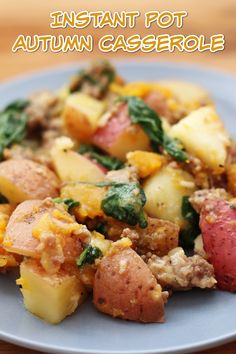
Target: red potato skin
point(128, 293)
point(218, 226)
point(119, 136)
point(21, 223)
point(105, 136)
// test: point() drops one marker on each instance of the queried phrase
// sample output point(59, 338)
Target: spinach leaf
point(13, 121)
point(125, 202)
point(192, 230)
point(141, 114)
point(174, 148)
point(71, 203)
point(88, 255)
point(111, 163)
point(17, 105)
point(151, 123)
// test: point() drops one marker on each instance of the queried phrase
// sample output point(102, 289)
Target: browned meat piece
point(158, 103)
point(42, 108)
point(178, 272)
point(199, 197)
point(95, 80)
point(124, 175)
point(159, 237)
point(19, 152)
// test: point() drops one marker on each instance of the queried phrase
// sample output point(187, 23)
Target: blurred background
point(31, 17)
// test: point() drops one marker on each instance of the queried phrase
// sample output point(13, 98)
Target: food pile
point(123, 190)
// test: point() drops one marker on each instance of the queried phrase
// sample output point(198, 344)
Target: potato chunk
point(24, 179)
point(164, 191)
point(203, 135)
point(18, 237)
point(124, 287)
point(190, 96)
point(50, 297)
point(81, 115)
point(73, 167)
point(119, 136)
point(41, 229)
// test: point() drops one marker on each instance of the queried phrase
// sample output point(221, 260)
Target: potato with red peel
point(125, 287)
point(25, 179)
point(218, 226)
point(119, 136)
point(28, 223)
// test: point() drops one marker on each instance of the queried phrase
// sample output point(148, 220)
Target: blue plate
point(195, 320)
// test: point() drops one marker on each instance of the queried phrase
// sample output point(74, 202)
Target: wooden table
point(32, 17)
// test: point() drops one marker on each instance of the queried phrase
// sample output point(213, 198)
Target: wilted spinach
point(125, 202)
point(70, 203)
point(151, 123)
point(88, 255)
point(192, 230)
point(13, 121)
point(111, 163)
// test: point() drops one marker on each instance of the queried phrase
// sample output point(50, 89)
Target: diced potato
point(89, 196)
point(41, 229)
point(119, 136)
point(73, 167)
point(25, 179)
point(50, 297)
point(145, 162)
point(231, 175)
point(125, 287)
point(164, 191)
point(203, 135)
point(18, 237)
point(189, 96)
point(81, 115)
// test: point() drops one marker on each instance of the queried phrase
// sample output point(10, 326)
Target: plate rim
point(68, 67)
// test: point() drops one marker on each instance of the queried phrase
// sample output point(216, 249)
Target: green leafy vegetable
point(13, 122)
point(111, 163)
point(18, 105)
point(151, 123)
point(192, 229)
point(174, 148)
point(125, 202)
point(88, 255)
point(71, 203)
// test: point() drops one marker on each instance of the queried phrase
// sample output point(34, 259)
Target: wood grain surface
point(30, 17)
